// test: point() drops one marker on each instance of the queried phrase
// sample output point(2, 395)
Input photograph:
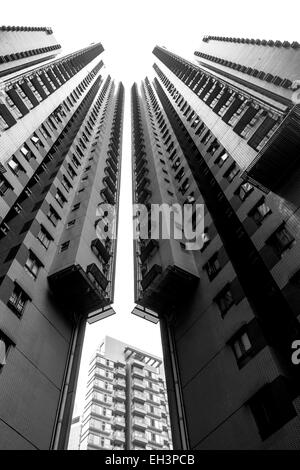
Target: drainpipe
point(178, 392)
point(67, 377)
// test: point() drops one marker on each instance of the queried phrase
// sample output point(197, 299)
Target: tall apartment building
point(223, 131)
point(24, 46)
point(60, 151)
point(126, 401)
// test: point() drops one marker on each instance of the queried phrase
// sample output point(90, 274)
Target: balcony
point(119, 422)
point(138, 438)
point(161, 287)
point(110, 161)
point(275, 162)
point(138, 397)
point(137, 372)
point(109, 183)
point(138, 384)
point(139, 423)
point(138, 410)
point(120, 383)
point(96, 276)
point(99, 428)
point(144, 182)
point(109, 172)
point(143, 172)
point(140, 164)
point(147, 249)
point(100, 250)
point(119, 409)
point(118, 437)
point(108, 195)
point(78, 290)
point(120, 371)
point(120, 396)
point(111, 153)
point(144, 196)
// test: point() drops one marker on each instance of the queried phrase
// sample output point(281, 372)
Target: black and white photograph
point(150, 229)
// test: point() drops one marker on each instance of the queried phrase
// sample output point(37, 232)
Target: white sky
point(129, 30)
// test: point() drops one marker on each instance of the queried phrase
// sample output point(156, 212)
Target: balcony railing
point(139, 438)
point(120, 396)
point(120, 383)
point(138, 384)
point(138, 396)
point(97, 276)
point(110, 161)
point(138, 372)
point(139, 423)
point(119, 408)
point(118, 437)
point(119, 422)
point(108, 171)
point(100, 250)
point(108, 195)
point(110, 183)
point(138, 409)
point(120, 371)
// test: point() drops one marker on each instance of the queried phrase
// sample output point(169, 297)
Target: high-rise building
point(126, 401)
point(223, 131)
point(75, 432)
point(60, 154)
point(23, 46)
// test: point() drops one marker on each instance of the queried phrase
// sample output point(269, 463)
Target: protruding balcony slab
point(74, 288)
point(162, 288)
point(279, 157)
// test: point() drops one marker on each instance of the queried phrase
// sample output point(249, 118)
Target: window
point(26, 152)
point(53, 216)
point(44, 237)
point(212, 267)
point(225, 300)
point(205, 239)
point(76, 206)
point(15, 166)
point(4, 185)
point(260, 211)
point(5, 344)
point(64, 246)
point(71, 223)
point(60, 198)
point(241, 345)
point(231, 173)
point(281, 240)
point(244, 190)
point(17, 301)
point(37, 142)
point(66, 183)
point(33, 265)
point(272, 407)
point(45, 131)
point(71, 171)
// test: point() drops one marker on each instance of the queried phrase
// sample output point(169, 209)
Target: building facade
point(24, 46)
point(126, 401)
point(60, 153)
point(222, 131)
